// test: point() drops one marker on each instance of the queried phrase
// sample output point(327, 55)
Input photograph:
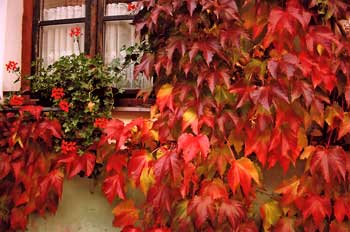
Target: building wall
point(11, 13)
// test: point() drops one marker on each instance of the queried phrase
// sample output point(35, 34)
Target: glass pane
point(120, 8)
point(56, 42)
point(63, 9)
point(117, 35)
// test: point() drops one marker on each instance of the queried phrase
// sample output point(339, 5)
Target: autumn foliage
point(242, 86)
point(31, 177)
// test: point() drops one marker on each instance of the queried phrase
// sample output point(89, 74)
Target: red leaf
point(165, 97)
point(233, 211)
point(54, 180)
point(317, 206)
point(321, 35)
point(48, 128)
point(191, 6)
point(192, 145)
point(113, 186)
point(176, 43)
point(339, 227)
point(258, 137)
point(33, 110)
point(116, 162)
point(215, 189)
point(214, 77)
point(284, 225)
point(203, 208)
point(208, 49)
point(247, 227)
point(241, 173)
point(330, 162)
point(286, 20)
point(115, 130)
point(125, 214)
point(5, 165)
point(168, 163)
point(88, 163)
point(188, 176)
point(131, 229)
point(160, 197)
point(302, 88)
point(138, 161)
point(225, 9)
point(145, 66)
point(18, 219)
point(289, 189)
point(341, 208)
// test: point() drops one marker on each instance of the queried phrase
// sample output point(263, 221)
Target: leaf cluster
point(242, 86)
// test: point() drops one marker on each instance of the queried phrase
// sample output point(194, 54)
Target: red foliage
point(30, 179)
point(234, 97)
point(241, 86)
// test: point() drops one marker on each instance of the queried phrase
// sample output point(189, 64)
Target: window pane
point(57, 41)
point(117, 35)
point(63, 9)
point(120, 8)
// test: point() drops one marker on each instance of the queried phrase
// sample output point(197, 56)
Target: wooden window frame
point(94, 22)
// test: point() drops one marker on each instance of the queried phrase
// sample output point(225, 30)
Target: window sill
point(132, 109)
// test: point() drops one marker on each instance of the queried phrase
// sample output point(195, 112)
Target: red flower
point(16, 100)
point(68, 147)
point(75, 31)
point(64, 105)
point(11, 66)
point(57, 93)
point(100, 123)
point(131, 7)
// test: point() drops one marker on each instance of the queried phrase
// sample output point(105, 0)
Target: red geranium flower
point(100, 123)
point(131, 7)
point(11, 66)
point(68, 147)
point(16, 100)
point(64, 105)
point(57, 93)
point(75, 31)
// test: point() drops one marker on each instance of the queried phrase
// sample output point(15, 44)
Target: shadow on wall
point(79, 211)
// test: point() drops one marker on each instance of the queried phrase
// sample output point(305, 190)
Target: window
point(105, 25)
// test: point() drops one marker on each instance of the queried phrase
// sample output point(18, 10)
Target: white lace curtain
point(56, 40)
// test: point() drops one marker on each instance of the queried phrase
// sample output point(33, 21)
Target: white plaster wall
point(79, 211)
point(11, 13)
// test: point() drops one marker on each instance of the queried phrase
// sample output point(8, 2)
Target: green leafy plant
point(82, 88)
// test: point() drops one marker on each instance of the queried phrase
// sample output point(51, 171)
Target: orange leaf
point(125, 214)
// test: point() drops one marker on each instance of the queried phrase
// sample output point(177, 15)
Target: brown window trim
point(94, 43)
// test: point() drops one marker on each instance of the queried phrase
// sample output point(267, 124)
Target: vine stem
point(229, 146)
point(330, 138)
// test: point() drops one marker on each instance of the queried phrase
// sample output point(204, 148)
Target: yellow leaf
point(165, 91)
point(271, 213)
point(302, 138)
point(146, 179)
point(190, 118)
point(319, 49)
point(307, 152)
